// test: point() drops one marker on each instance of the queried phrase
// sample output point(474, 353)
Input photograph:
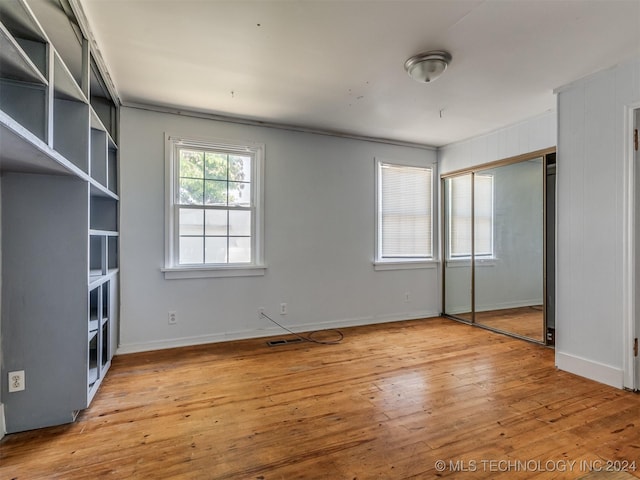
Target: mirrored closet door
point(494, 243)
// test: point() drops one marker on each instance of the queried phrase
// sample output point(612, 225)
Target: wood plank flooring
point(387, 403)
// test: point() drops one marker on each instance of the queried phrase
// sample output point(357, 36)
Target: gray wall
point(319, 240)
point(593, 175)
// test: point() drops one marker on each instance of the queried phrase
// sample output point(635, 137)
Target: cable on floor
point(309, 337)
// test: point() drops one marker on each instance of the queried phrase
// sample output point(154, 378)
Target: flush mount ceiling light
point(426, 67)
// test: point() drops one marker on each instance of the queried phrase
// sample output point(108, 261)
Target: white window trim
point(172, 270)
point(410, 263)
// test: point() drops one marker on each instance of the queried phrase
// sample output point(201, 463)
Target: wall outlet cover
point(16, 381)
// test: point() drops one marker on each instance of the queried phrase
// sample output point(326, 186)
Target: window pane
point(240, 222)
point(215, 192)
point(405, 212)
point(216, 222)
point(216, 250)
point(215, 166)
point(191, 221)
point(191, 163)
point(240, 194)
point(191, 250)
point(191, 191)
point(239, 250)
point(215, 219)
point(239, 168)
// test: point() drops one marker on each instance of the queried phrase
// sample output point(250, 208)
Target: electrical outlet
point(283, 309)
point(173, 318)
point(407, 296)
point(16, 381)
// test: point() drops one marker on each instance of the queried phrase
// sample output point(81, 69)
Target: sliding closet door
point(458, 228)
point(509, 248)
point(494, 246)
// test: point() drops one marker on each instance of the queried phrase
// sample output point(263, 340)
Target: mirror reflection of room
point(458, 296)
point(500, 286)
point(509, 274)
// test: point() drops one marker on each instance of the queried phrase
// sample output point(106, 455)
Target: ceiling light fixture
point(426, 67)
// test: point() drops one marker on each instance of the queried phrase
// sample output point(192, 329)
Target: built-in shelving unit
point(59, 185)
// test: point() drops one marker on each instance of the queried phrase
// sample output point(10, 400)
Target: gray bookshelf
point(59, 206)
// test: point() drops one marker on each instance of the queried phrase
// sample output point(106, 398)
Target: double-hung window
point(404, 213)
point(460, 217)
point(214, 205)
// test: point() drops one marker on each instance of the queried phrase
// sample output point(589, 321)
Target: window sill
point(177, 273)
point(484, 262)
point(404, 265)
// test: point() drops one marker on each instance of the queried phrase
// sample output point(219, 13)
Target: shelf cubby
point(93, 372)
point(112, 170)
point(70, 117)
point(103, 214)
point(19, 27)
point(99, 339)
point(26, 103)
point(113, 262)
point(23, 68)
point(104, 339)
point(99, 156)
point(101, 101)
point(22, 60)
point(94, 310)
point(105, 302)
point(65, 86)
point(57, 22)
point(37, 52)
point(97, 255)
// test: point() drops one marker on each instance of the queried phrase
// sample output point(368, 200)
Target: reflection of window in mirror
point(460, 217)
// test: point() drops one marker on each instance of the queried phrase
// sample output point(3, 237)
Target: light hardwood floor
point(386, 403)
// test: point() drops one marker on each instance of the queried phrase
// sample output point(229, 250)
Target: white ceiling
point(338, 65)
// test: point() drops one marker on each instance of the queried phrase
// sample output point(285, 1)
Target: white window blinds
point(404, 210)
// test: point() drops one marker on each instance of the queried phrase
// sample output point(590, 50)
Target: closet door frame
point(544, 154)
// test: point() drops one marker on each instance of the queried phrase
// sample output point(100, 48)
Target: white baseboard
point(589, 369)
point(266, 332)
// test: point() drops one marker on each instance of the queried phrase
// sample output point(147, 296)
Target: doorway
point(499, 246)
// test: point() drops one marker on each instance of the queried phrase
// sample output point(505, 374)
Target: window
point(214, 205)
point(460, 216)
point(405, 225)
